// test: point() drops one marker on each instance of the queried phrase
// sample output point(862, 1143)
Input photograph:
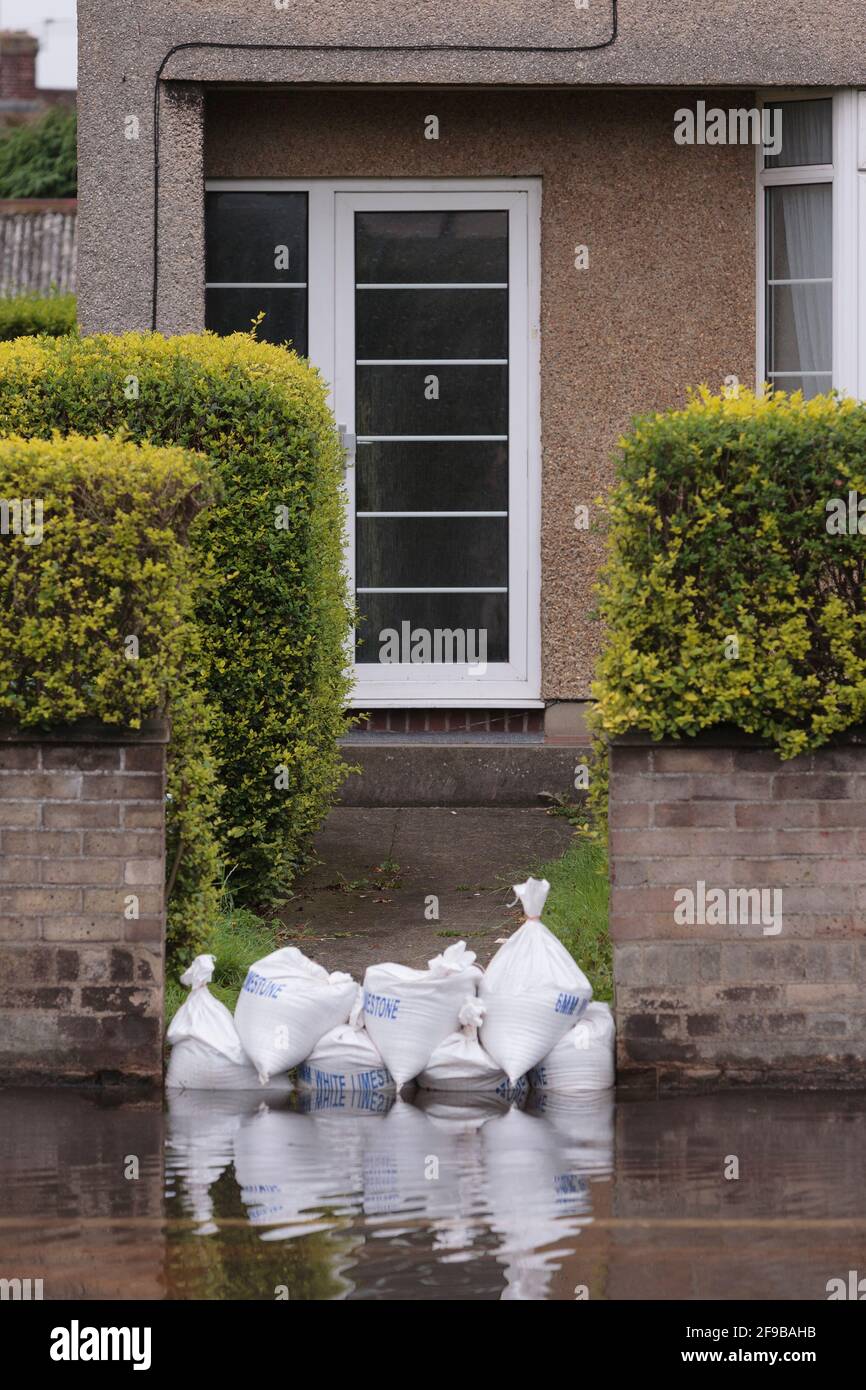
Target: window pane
point(807, 133)
point(800, 232)
point(800, 319)
point(285, 321)
point(799, 326)
point(474, 624)
point(431, 247)
point(258, 237)
point(468, 400)
point(445, 476)
point(432, 552)
point(432, 323)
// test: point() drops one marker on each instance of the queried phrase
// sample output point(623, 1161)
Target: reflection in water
point(270, 1195)
point(471, 1178)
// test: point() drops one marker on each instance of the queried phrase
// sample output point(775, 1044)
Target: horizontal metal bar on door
point(431, 514)
point(425, 438)
point(807, 280)
point(422, 590)
point(431, 362)
point(803, 371)
point(444, 285)
point(255, 284)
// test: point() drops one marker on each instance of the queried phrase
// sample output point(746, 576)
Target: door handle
point(350, 444)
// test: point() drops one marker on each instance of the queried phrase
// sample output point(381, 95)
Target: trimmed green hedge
point(726, 597)
point(273, 622)
point(97, 589)
point(22, 315)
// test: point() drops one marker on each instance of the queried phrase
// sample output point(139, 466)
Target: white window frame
point(330, 280)
point(848, 301)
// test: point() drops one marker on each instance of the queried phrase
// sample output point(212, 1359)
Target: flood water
point(254, 1196)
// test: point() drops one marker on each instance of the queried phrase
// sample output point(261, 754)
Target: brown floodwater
point(259, 1196)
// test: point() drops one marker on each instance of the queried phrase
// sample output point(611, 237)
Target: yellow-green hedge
point(273, 623)
point(97, 587)
point(104, 570)
point(727, 599)
point(23, 314)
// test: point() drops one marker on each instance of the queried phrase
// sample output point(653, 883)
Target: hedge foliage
point(273, 620)
point(97, 591)
point(726, 597)
point(98, 556)
point(25, 314)
point(39, 159)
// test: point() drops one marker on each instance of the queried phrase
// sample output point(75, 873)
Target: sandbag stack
point(454, 1028)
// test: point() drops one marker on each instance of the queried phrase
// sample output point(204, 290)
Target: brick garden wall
point(730, 1002)
point(81, 905)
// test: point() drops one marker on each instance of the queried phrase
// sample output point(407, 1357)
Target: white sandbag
point(584, 1059)
point(286, 1005)
point(460, 1063)
point(409, 1012)
point(533, 990)
point(206, 1052)
point(346, 1063)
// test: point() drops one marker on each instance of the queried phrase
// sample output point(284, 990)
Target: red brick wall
point(728, 1000)
point(18, 67)
point(82, 868)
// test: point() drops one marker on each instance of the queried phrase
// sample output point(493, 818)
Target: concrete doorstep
point(443, 772)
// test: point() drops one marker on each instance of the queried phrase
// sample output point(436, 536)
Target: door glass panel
point(429, 552)
point(256, 262)
point(432, 323)
point(285, 314)
point(431, 247)
point(442, 476)
point(258, 237)
point(461, 627)
point(465, 399)
point(431, 310)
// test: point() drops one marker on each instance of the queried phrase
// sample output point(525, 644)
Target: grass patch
point(238, 940)
point(576, 910)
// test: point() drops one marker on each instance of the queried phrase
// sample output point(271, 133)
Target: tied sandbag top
point(199, 973)
point(533, 895)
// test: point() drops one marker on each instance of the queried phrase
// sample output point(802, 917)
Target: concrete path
point(366, 901)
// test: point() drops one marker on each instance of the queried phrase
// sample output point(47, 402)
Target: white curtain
point(801, 230)
point(807, 133)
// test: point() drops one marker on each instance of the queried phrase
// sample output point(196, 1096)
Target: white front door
point(418, 301)
point(435, 378)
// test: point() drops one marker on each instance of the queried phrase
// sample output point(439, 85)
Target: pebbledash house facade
point(499, 230)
